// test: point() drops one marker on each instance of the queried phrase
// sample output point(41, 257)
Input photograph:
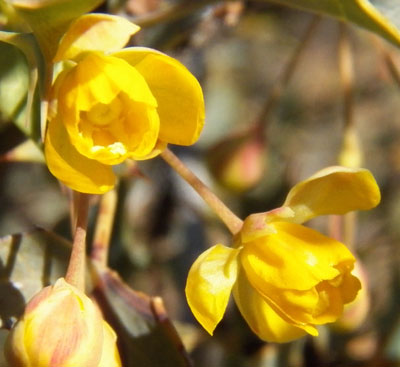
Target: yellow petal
point(160, 146)
point(301, 273)
point(143, 131)
point(178, 94)
point(133, 135)
point(333, 190)
point(330, 304)
point(109, 354)
point(99, 79)
point(294, 257)
point(73, 169)
point(209, 284)
point(258, 225)
point(95, 32)
point(15, 350)
point(349, 286)
point(262, 319)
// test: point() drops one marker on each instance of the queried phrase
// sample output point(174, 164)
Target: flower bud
point(238, 163)
point(61, 327)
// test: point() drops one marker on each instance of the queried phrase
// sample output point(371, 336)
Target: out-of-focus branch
point(171, 13)
point(351, 153)
point(288, 71)
point(346, 70)
point(387, 58)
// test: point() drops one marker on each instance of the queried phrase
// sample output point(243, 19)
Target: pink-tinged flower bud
point(239, 162)
point(61, 327)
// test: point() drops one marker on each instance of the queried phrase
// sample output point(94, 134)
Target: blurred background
point(275, 114)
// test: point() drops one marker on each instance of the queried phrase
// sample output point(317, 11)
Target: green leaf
point(378, 16)
point(28, 262)
point(145, 334)
point(21, 66)
point(14, 86)
point(14, 78)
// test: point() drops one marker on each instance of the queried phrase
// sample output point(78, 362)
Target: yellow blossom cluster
point(107, 104)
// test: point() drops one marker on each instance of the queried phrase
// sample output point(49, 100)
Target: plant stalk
point(233, 223)
point(77, 264)
point(346, 69)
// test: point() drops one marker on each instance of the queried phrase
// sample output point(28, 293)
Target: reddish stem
point(76, 268)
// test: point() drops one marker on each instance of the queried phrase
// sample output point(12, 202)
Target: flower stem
point(76, 268)
point(104, 225)
point(350, 136)
point(171, 13)
point(233, 223)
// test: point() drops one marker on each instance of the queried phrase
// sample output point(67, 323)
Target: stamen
point(102, 114)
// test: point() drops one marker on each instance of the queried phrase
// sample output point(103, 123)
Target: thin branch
point(104, 226)
point(391, 65)
point(350, 146)
point(259, 125)
point(287, 73)
point(346, 69)
point(233, 223)
point(387, 58)
point(171, 13)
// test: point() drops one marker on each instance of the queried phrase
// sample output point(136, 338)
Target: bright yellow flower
point(111, 104)
point(285, 278)
point(61, 327)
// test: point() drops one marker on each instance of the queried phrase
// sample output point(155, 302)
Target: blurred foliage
point(238, 51)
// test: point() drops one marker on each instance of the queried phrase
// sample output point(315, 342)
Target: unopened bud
point(61, 327)
point(238, 163)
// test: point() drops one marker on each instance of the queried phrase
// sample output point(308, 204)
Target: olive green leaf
point(21, 67)
point(28, 262)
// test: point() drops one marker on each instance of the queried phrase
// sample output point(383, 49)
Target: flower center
point(102, 114)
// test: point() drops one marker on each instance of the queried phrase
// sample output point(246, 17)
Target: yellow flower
point(61, 327)
point(110, 104)
point(285, 278)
